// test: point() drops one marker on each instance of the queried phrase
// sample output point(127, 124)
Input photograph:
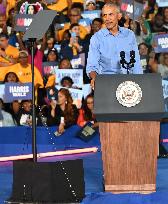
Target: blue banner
point(161, 42)
point(17, 91)
point(91, 14)
point(162, 3)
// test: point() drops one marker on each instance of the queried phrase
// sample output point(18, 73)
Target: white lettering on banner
point(18, 94)
point(18, 89)
point(75, 74)
point(130, 8)
point(163, 42)
point(27, 21)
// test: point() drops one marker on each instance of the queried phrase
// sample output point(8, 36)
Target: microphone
point(122, 56)
point(127, 65)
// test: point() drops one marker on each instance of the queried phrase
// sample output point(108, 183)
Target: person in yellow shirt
point(10, 4)
point(24, 72)
point(8, 53)
point(74, 16)
point(60, 5)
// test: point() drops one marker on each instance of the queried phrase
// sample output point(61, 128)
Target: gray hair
point(110, 4)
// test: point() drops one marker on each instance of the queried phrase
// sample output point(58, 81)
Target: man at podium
point(109, 44)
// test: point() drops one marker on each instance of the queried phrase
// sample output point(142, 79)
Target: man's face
point(110, 17)
point(96, 26)
point(23, 59)
point(74, 16)
point(3, 42)
point(143, 50)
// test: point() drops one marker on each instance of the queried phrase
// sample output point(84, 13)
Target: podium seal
point(129, 94)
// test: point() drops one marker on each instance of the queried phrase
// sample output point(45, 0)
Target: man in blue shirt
point(106, 45)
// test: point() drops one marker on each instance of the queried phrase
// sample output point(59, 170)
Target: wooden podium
point(129, 136)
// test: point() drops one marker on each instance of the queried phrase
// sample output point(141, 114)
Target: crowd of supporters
point(66, 39)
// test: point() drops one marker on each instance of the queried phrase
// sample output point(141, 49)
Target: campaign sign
point(78, 62)
point(17, 91)
point(2, 91)
point(161, 41)
point(165, 94)
point(85, 22)
point(91, 14)
point(162, 3)
point(75, 74)
point(50, 1)
point(22, 22)
point(132, 8)
point(49, 68)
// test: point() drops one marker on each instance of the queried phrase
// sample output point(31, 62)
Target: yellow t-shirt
point(25, 74)
point(50, 81)
point(59, 6)
point(79, 1)
point(10, 4)
point(10, 52)
point(83, 31)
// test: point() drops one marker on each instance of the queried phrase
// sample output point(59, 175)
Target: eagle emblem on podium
point(129, 94)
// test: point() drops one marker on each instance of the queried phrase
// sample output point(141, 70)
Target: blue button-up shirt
point(104, 52)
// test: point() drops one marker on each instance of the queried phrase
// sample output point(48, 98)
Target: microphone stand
point(34, 145)
point(127, 65)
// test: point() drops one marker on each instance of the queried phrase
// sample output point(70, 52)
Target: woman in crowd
point(15, 110)
point(65, 64)
point(161, 66)
point(11, 77)
point(86, 113)
point(52, 55)
point(62, 112)
point(6, 119)
point(74, 46)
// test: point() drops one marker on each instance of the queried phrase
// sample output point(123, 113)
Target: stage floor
point(93, 175)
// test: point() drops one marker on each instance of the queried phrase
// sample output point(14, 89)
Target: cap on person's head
point(90, 1)
point(53, 50)
point(23, 52)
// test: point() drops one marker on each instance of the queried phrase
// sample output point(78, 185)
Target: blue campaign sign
point(91, 14)
point(161, 41)
point(162, 3)
point(17, 91)
point(85, 22)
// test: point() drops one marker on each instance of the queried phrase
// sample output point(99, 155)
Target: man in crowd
point(107, 44)
point(8, 53)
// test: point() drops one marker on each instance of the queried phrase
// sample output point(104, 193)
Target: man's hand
point(92, 75)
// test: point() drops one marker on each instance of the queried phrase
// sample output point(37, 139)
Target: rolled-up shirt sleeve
point(93, 56)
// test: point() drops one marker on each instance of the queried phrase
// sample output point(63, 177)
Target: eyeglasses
point(90, 3)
